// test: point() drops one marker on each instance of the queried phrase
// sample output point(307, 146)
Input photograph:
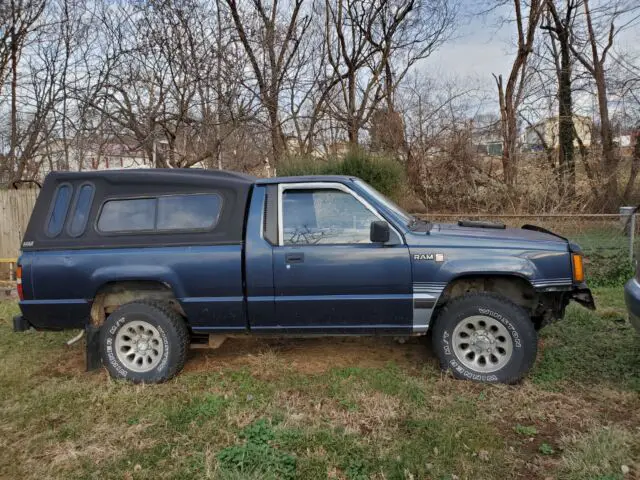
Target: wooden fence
point(601, 236)
point(15, 210)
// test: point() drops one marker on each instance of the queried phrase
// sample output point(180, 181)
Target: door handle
point(294, 257)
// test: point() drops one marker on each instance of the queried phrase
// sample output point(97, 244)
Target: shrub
point(296, 166)
point(609, 270)
point(382, 173)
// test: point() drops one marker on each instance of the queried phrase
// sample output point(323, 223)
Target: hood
point(507, 234)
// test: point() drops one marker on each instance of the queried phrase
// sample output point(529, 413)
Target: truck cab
point(151, 261)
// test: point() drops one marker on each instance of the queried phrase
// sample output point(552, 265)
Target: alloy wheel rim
point(139, 346)
point(482, 344)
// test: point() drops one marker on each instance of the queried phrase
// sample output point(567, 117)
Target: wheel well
point(513, 287)
point(113, 294)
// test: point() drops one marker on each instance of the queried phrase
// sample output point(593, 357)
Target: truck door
point(328, 276)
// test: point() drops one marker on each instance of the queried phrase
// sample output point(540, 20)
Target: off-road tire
point(172, 331)
point(515, 320)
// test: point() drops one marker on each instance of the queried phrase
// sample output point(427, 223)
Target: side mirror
point(379, 232)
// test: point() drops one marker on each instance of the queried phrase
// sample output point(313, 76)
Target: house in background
point(486, 135)
point(626, 142)
point(90, 154)
point(545, 132)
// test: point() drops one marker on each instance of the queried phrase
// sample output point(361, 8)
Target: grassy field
point(327, 408)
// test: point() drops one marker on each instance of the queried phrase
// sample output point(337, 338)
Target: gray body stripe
point(552, 282)
point(425, 297)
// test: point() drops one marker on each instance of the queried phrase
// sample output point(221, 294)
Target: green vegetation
point(257, 455)
point(526, 430)
point(326, 408)
point(384, 174)
point(591, 348)
point(546, 449)
point(607, 253)
point(611, 270)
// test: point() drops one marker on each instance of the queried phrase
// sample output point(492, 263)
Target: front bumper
point(583, 296)
point(632, 299)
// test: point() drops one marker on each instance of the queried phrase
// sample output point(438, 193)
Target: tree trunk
point(609, 161)
point(352, 121)
point(511, 94)
point(509, 134)
point(277, 143)
point(509, 154)
point(218, 127)
point(352, 131)
point(566, 151)
point(635, 167)
point(13, 145)
point(609, 197)
point(559, 31)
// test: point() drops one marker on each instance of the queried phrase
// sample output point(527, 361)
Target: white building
point(548, 129)
point(110, 154)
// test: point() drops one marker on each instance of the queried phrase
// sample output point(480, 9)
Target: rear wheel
point(485, 337)
point(144, 342)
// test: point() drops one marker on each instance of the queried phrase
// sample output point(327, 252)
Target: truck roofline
point(305, 179)
point(196, 172)
point(153, 173)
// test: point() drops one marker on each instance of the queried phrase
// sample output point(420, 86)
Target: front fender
point(494, 265)
point(541, 268)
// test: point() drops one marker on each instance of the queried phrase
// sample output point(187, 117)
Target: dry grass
point(352, 408)
point(599, 451)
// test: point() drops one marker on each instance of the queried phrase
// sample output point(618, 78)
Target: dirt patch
point(554, 415)
point(373, 414)
point(270, 356)
point(68, 362)
point(311, 355)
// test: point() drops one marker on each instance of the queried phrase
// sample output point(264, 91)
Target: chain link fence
point(610, 241)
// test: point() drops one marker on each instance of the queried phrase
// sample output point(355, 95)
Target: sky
point(480, 47)
point(477, 49)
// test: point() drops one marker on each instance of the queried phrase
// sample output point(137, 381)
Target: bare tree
point(440, 119)
point(592, 52)
point(624, 84)
point(19, 18)
point(271, 33)
point(527, 18)
point(370, 48)
point(40, 110)
point(594, 64)
point(162, 85)
point(559, 23)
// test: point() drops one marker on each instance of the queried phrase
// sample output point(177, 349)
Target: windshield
point(385, 201)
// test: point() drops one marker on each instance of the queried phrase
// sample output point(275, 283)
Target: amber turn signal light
point(578, 268)
point(19, 283)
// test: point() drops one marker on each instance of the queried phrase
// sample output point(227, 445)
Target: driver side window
point(324, 216)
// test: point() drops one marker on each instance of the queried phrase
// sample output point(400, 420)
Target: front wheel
point(485, 337)
point(144, 342)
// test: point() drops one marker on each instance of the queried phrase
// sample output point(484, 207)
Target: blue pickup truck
point(150, 262)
